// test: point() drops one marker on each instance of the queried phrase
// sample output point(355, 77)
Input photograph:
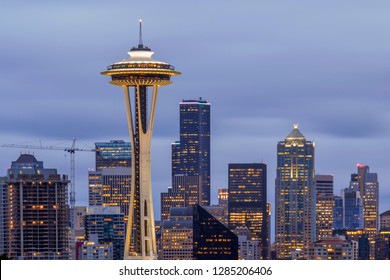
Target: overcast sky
point(263, 65)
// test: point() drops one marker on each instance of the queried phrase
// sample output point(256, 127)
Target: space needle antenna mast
point(142, 76)
point(140, 33)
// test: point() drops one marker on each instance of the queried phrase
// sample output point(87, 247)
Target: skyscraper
point(295, 194)
point(191, 155)
point(368, 186)
point(37, 211)
point(324, 206)
point(247, 201)
point(140, 72)
point(190, 159)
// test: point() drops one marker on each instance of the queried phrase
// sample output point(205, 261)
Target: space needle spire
point(140, 45)
point(140, 76)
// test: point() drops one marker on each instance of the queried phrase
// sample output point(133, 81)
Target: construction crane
point(71, 150)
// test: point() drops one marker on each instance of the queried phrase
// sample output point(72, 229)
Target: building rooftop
point(295, 134)
point(177, 224)
point(26, 158)
point(387, 213)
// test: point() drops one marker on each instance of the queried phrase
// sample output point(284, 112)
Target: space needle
point(140, 75)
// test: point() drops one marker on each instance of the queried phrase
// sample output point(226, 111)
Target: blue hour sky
point(263, 65)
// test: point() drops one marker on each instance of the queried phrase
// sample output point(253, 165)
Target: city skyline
point(327, 75)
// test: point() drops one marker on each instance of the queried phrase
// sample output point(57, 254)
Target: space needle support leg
point(150, 132)
point(129, 115)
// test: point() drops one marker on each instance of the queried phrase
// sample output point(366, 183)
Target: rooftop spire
point(140, 45)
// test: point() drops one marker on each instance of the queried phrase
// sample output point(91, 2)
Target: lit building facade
point(333, 249)
point(223, 197)
point(360, 237)
point(247, 201)
point(168, 200)
point(295, 194)
point(94, 251)
point(324, 206)
point(185, 191)
point(80, 212)
point(95, 188)
point(116, 184)
point(177, 240)
point(368, 186)
point(4, 223)
point(111, 187)
point(105, 225)
point(37, 211)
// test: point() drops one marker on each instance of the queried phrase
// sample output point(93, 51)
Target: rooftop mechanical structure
point(144, 76)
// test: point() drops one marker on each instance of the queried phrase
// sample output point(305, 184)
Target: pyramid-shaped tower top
point(295, 134)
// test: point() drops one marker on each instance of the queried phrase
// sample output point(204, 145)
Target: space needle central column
point(142, 75)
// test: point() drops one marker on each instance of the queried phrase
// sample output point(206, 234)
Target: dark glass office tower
point(352, 209)
point(295, 194)
point(112, 154)
point(212, 240)
point(247, 196)
point(191, 155)
point(338, 213)
point(195, 145)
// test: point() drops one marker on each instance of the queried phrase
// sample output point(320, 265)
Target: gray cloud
point(263, 65)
